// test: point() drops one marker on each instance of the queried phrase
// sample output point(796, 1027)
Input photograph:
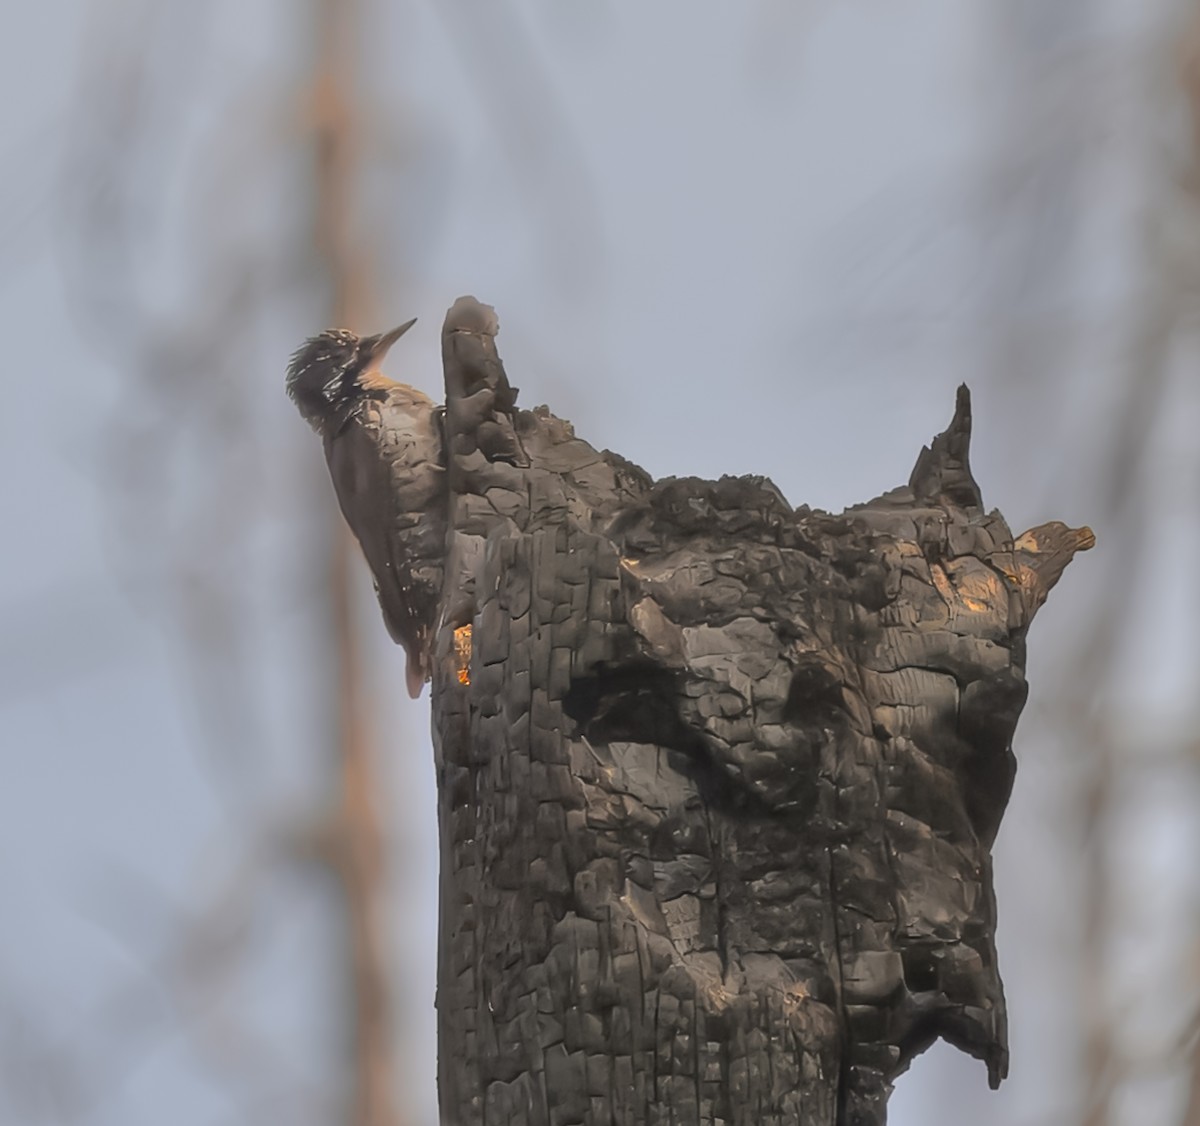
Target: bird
point(384, 447)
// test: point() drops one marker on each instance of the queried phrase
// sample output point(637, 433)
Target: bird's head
point(322, 373)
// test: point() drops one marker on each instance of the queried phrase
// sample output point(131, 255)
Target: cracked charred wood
point(718, 777)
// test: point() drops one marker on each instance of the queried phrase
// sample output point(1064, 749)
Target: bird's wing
point(385, 466)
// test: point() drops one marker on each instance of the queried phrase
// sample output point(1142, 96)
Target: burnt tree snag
point(718, 777)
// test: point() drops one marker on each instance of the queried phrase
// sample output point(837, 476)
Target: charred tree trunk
point(718, 778)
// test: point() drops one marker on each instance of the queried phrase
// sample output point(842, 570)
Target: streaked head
point(321, 374)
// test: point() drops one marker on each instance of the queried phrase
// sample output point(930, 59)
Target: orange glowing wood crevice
point(462, 653)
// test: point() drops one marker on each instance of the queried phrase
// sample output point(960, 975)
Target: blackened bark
point(719, 778)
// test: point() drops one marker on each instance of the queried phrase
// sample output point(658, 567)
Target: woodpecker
point(383, 444)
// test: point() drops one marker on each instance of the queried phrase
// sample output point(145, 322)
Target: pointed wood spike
point(480, 401)
point(942, 474)
point(1041, 555)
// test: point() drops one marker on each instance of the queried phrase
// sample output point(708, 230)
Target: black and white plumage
point(383, 444)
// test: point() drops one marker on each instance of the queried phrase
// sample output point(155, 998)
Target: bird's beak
point(383, 343)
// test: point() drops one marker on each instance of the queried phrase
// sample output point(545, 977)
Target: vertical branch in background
point(1036, 188)
point(1171, 224)
point(1190, 80)
point(1092, 685)
point(357, 838)
point(1098, 1043)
